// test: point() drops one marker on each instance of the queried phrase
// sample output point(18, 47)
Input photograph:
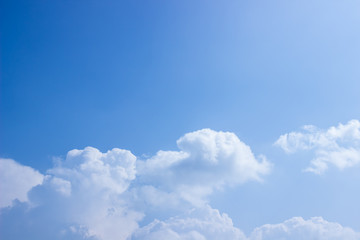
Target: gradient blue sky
point(139, 74)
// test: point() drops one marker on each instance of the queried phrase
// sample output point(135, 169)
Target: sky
point(180, 119)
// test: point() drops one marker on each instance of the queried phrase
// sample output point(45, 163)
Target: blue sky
point(138, 75)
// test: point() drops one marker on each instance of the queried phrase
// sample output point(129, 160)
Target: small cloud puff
point(338, 146)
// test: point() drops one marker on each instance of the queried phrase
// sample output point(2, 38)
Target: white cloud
point(198, 224)
point(88, 196)
point(297, 228)
point(338, 146)
point(208, 223)
point(97, 181)
point(207, 160)
point(15, 181)
point(110, 172)
point(104, 196)
point(81, 198)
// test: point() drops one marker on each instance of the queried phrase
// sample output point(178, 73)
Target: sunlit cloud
point(338, 146)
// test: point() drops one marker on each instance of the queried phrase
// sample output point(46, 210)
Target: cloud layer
point(338, 146)
point(107, 196)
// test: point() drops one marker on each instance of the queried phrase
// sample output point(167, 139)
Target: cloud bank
point(211, 225)
point(196, 224)
point(338, 146)
point(107, 196)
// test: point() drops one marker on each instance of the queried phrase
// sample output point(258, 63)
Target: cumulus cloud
point(80, 198)
point(207, 160)
point(89, 169)
point(198, 224)
point(91, 194)
point(106, 196)
point(338, 146)
point(96, 181)
point(208, 223)
point(15, 181)
point(297, 228)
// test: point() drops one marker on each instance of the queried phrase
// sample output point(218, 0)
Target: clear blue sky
point(138, 75)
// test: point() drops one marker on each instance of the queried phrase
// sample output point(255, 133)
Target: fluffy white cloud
point(89, 169)
point(15, 181)
point(297, 228)
point(338, 146)
point(198, 224)
point(208, 223)
point(81, 198)
point(93, 183)
point(207, 160)
point(88, 196)
point(104, 196)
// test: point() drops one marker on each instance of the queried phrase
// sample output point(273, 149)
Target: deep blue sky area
point(138, 75)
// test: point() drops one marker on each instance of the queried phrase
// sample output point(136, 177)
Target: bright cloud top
point(338, 146)
point(207, 160)
point(92, 183)
point(80, 198)
point(111, 172)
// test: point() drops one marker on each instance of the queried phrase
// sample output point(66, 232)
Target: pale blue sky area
point(138, 75)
